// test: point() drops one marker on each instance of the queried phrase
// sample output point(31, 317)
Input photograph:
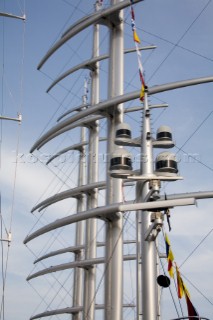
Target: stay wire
point(56, 278)
point(72, 13)
point(42, 300)
point(177, 45)
point(56, 175)
point(189, 257)
point(204, 238)
point(198, 127)
point(189, 138)
point(198, 290)
point(191, 156)
point(181, 38)
point(42, 215)
point(194, 158)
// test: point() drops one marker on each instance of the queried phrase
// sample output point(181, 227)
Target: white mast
point(90, 241)
point(79, 236)
point(148, 248)
point(114, 234)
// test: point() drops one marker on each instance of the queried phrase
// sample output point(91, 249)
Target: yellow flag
point(136, 38)
point(142, 92)
point(182, 290)
point(170, 256)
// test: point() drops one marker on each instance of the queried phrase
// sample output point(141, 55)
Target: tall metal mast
point(92, 196)
point(79, 236)
point(148, 248)
point(114, 235)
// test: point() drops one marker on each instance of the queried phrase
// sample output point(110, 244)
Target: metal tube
point(148, 249)
point(79, 238)
point(114, 238)
point(138, 253)
point(92, 197)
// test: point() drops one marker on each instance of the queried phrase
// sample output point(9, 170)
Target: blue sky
point(182, 32)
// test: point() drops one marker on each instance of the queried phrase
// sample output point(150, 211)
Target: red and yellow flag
point(170, 256)
point(182, 290)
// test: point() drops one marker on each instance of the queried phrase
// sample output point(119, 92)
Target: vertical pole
point(138, 256)
point(92, 197)
point(158, 287)
point(114, 238)
point(148, 248)
point(79, 237)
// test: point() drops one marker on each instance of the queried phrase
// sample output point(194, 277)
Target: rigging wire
point(75, 7)
point(177, 45)
point(206, 236)
point(56, 175)
point(42, 299)
point(193, 133)
point(174, 44)
point(181, 38)
point(198, 290)
point(56, 278)
point(100, 231)
point(189, 257)
point(191, 156)
point(200, 125)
